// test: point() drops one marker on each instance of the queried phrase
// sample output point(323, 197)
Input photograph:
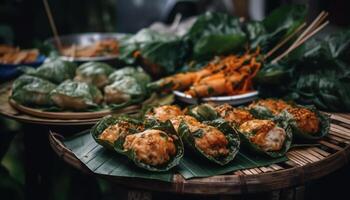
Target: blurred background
point(24, 23)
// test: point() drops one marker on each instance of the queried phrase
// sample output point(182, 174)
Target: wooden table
point(305, 164)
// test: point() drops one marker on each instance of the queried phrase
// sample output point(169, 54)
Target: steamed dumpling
point(95, 73)
point(56, 71)
point(123, 90)
point(76, 95)
point(30, 90)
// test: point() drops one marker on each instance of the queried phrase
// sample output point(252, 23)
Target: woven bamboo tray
point(305, 164)
point(21, 113)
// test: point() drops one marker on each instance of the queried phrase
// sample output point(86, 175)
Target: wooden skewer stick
point(300, 42)
point(53, 26)
point(310, 28)
point(285, 40)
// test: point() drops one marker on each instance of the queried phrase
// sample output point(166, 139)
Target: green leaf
point(215, 33)
point(193, 167)
point(284, 20)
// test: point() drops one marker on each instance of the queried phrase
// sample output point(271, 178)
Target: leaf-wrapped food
point(76, 95)
point(163, 113)
point(108, 130)
point(158, 148)
point(137, 72)
point(306, 122)
point(234, 116)
point(216, 140)
point(124, 91)
point(268, 108)
point(30, 90)
point(266, 137)
point(55, 70)
point(95, 73)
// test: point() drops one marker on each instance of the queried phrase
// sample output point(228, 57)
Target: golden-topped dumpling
point(152, 147)
point(164, 113)
point(264, 133)
point(236, 116)
point(306, 120)
point(122, 128)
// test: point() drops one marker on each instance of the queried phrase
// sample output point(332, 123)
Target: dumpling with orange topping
point(306, 122)
point(265, 136)
point(216, 140)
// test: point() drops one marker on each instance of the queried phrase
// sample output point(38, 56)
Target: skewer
point(285, 40)
point(309, 28)
point(52, 25)
point(300, 42)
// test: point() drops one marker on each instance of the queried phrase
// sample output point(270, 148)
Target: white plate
point(233, 100)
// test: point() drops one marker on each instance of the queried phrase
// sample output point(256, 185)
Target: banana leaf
point(215, 34)
point(273, 154)
point(95, 73)
point(301, 135)
point(55, 70)
point(98, 128)
point(230, 134)
point(105, 162)
point(168, 131)
point(76, 95)
point(193, 167)
point(30, 90)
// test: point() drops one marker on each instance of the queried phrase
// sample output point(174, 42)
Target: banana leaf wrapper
point(168, 131)
point(273, 154)
point(106, 122)
point(324, 120)
point(230, 134)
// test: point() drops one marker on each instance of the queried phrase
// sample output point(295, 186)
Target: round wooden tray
point(11, 109)
point(67, 115)
point(304, 164)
